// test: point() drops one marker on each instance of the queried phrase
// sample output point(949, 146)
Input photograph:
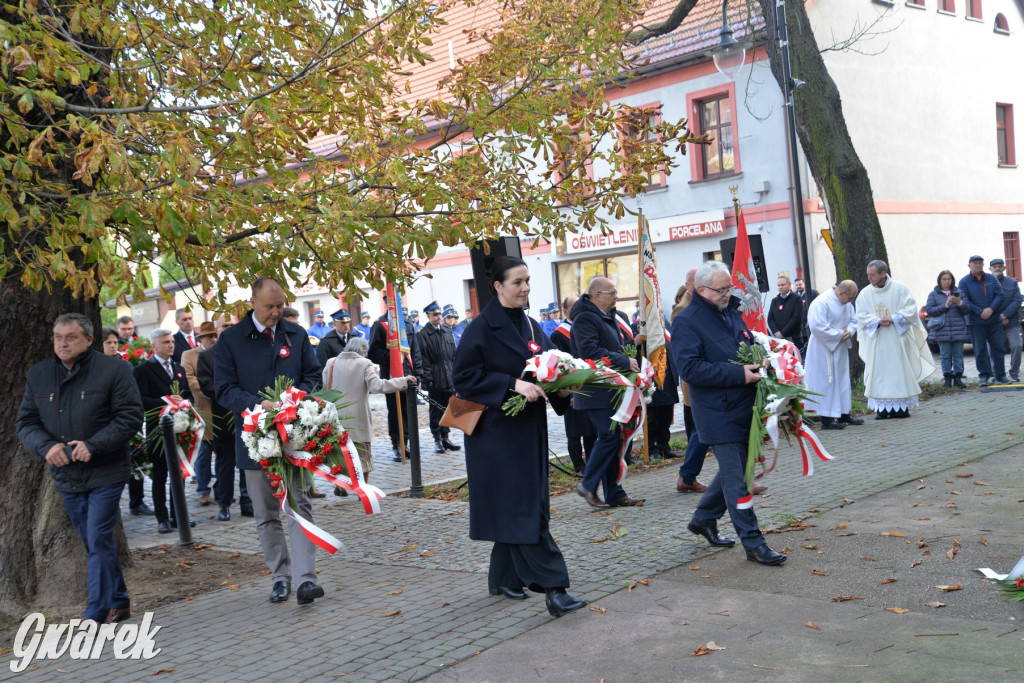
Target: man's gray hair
point(180, 312)
point(706, 271)
point(848, 287)
point(786, 278)
point(158, 333)
point(357, 345)
point(75, 319)
point(879, 266)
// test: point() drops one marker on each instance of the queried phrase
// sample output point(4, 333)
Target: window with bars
point(1011, 254)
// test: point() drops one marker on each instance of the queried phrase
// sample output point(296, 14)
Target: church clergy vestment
point(827, 365)
point(896, 356)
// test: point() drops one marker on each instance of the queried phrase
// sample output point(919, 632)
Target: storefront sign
point(704, 224)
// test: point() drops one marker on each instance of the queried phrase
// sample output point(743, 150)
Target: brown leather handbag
point(462, 414)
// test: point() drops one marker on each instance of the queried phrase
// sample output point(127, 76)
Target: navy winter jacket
point(979, 295)
point(1011, 300)
point(955, 326)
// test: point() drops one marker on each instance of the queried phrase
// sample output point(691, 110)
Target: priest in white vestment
point(893, 344)
point(832, 322)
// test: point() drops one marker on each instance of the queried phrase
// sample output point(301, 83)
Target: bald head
point(603, 293)
point(846, 291)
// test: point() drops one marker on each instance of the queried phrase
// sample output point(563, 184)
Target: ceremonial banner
point(651, 320)
point(398, 340)
point(744, 278)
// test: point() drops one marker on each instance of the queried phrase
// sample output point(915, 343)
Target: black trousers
point(134, 492)
point(224, 487)
point(436, 413)
point(578, 446)
point(393, 415)
point(688, 422)
point(659, 421)
point(160, 474)
point(539, 566)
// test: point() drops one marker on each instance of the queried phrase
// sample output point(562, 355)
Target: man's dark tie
point(270, 333)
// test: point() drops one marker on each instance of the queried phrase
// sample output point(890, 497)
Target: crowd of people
point(83, 407)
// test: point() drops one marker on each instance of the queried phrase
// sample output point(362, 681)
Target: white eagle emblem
point(749, 295)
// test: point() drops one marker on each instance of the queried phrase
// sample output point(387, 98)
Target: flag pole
point(641, 339)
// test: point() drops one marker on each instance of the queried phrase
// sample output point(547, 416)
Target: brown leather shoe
point(695, 487)
point(626, 501)
point(759, 489)
point(117, 614)
point(591, 498)
point(313, 493)
point(205, 499)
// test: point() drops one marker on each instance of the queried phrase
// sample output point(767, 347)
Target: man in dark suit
point(250, 357)
point(437, 349)
point(333, 343)
point(705, 340)
point(156, 378)
point(786, 314)
point(185, 337)
point(378, 353)
point(807, 297)
point(596, 333)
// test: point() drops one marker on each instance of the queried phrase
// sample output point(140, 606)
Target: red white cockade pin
point(284, 352)
point(533, 346)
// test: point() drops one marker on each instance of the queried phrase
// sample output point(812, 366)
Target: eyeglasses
point(724, 290)
point(613, 292)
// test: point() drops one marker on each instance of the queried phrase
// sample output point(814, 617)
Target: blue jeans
point(723, 492)
point(951, 354)
point(988, 341)
point(603, 460)
point(693, 461)
point(203, 463)
point(94, 514)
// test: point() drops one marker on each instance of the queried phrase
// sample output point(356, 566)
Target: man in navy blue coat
point(596, 334)
point(984, 298)
point(250, 357)
point(705, 340)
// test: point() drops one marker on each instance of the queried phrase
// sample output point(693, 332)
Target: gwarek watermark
point(82, 639)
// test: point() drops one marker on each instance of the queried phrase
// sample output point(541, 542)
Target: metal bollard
point(416, 476)
point(177, 483)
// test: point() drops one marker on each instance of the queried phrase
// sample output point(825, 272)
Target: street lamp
point(729, 55)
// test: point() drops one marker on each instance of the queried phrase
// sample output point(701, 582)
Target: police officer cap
point(430, 308)
point(366, 314)
point(318, 314)
point(341, 315)
point(449, 311)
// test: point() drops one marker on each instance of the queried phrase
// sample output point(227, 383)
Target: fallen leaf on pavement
point(923, 519)
point(845, 598)
point(970, 436)
point(396, 592)
point(811, 546)
point(987, 493)
point(916, 563)
point(954, 493)
point(599, 540)
point(818, 572)
point(983, 540)
point(978, 482)
point(393, 613)
point(921, 543)
point(955, 587)
point(596, 608)
point(868, 559)
point(705, 649)
point(885, 581)
point(811, 624)
point(963, 475)
point(840, 526)
point(233, 587)
point(896, 610)
point(428, 553)
point(951, 553)
point(922, 486)
point(936, 604)
point(847, 500)
point(851, 533)
point(155, 673)
point(893, 533)
point(951, 505)
point(694, 567)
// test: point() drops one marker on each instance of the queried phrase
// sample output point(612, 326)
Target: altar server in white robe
point(893, 344)
point(832, 321)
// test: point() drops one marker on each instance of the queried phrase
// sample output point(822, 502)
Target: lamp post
point(725, 55)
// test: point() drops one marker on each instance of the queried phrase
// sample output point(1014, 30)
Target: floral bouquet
point(141, 465)
point(136, 351)
point(1013, 588)
point(779, 404)
point(189, 427)
point(299, 437)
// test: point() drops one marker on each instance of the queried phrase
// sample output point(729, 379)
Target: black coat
point(704, 345)
point(247, 362)
point(506, 457)
point(437, 349)
point(181, 345)
point(205, 367)
point(333, 344)
point(154, 384)
point(97, 402)
point(577, 423)
point(786, 316)
point(378, 351)
point(596, 334)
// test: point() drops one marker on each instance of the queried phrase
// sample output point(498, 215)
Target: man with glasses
point(596, 333)
point(705, 340)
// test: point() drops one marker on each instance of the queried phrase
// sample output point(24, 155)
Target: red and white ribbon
point(785, 360)
point(185, 460)
point(545, 366)
point(805, 434)
point(314, 533)
point(251, 418)
point(369, 495)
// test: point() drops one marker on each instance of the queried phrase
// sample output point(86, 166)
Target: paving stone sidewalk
point(368, 629)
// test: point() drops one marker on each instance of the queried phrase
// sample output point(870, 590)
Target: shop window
point(574, 277)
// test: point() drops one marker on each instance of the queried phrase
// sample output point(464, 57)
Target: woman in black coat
point(506, 457)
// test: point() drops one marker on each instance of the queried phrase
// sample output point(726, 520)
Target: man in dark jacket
point(250, 357)
point(786, 314)
point(705, 340)
point(661, 409)
point(1009, 316)
point(807, 297)
point(984, 298)
point(437, 349)
point(79, 412)
point(185, 337)
point(596, 333)
point(378, 353)
point(223, 437)
point(333, 343)
point(156, 378)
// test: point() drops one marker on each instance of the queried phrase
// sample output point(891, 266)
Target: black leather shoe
point(163, 528)
point(883, 415)
point(248, 511)
point(710, 532)
point(174, 523)
point(765, 555)
point(591, 498)
point(449, 445)
point(850, 420)
point(510, 593)
point(118, 614)
point(396, 455)
point(559, 602)
point(281, 591)
point(338, 491)
point(308, 592)
point(224, 515)
point(626, 501)
point(438, 448)
point(142, 509)
point(832, 423)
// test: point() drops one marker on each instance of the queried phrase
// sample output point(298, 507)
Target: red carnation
point(604, 359)
point(280, 494)
point(138, 353)
point(337, 469)
point(317, 460)
point(275, 482)
point(264, 463)
point(1020, 583)
point(344, 437)
point(592, 364)
point(311, 445)
point(326, 450)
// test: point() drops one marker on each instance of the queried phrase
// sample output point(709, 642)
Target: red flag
point(395, 328)
point(744, 279)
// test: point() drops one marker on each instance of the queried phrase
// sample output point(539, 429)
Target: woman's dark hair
point(106, 332)
point(952, 279)
point(499, 270)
